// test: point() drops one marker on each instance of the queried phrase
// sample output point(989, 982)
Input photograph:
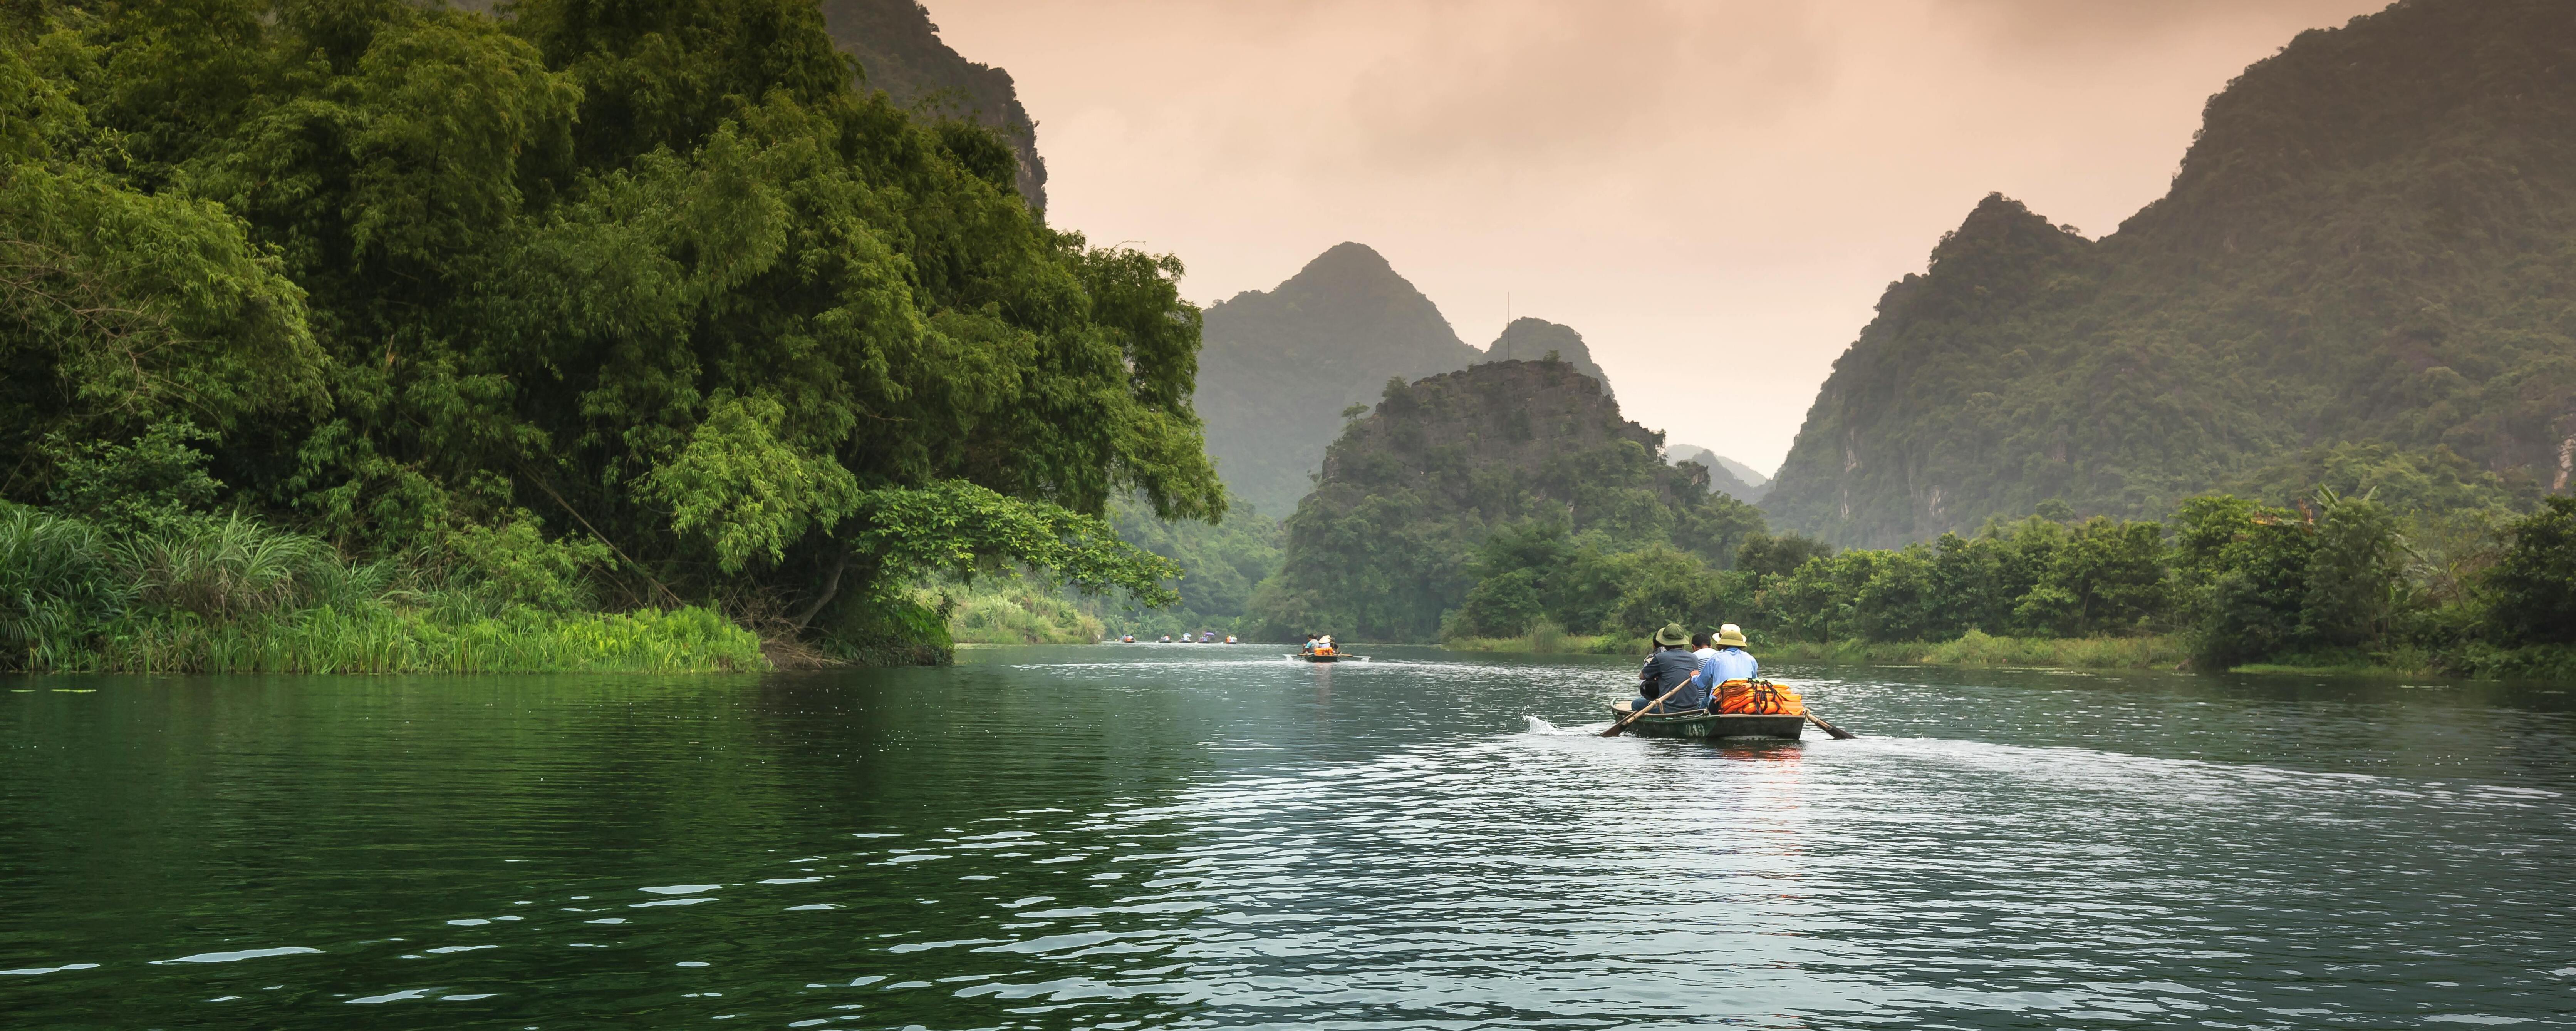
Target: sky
point(1714, 193)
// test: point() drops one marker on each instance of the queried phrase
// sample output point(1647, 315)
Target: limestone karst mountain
point(1281, 365)
point(2368, 251)
point(1387, 543)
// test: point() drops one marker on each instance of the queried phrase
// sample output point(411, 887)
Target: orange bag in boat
point(1759, 698)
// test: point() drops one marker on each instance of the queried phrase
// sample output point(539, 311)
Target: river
point(1195, 836)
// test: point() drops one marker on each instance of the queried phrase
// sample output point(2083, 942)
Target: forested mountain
point(1529, 339)
point(1390, 541)
point(2369, 249)
point(1725, 475)
point(1280, 366)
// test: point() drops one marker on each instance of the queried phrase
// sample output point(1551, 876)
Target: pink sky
point(1713, 193)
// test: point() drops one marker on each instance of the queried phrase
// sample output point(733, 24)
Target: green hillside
point(1280, 366)
point(2371, 244)
point(1392, 539)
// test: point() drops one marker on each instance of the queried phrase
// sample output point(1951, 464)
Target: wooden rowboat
point(1704, 724)
point(1335, 657)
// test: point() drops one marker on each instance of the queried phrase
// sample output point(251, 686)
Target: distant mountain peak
point(1279, 366)
point(1528, 339)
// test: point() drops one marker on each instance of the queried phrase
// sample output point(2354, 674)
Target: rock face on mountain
point(1385, 545)
point(900, 52)
point(2370, 243)
point(1529, 339)
point(1280, 366)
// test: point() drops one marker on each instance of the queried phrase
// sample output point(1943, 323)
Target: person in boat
point(1310, 644)
point(1672, 665)
point(1324, 645)
point(1727, 660)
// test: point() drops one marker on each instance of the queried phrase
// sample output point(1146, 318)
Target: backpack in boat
point(1758, 698)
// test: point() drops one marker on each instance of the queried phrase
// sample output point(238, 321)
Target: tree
point(2531, 590)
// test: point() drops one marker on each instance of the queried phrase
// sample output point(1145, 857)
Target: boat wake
point(1547, 729)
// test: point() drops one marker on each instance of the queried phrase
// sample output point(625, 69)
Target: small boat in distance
point(1328, 657)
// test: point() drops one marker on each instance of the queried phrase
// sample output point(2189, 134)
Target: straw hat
point(1672, 635)
point(1730, 635)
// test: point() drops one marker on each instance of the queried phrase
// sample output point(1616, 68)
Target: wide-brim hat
point(1731, 634)
point(1672, 634)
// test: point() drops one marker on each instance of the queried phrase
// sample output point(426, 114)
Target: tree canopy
point(653, 274)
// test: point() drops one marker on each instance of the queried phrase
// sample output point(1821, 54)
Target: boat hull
point(1710, 726)
point(1317, 658)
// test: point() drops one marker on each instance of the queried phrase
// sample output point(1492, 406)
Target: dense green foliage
point(2335, 580)
point(211, 595)
point(1503, 493)
point(649, 290)
point(2365, 256)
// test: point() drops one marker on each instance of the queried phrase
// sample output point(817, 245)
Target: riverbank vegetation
point(2333, 581)
point(661, 304)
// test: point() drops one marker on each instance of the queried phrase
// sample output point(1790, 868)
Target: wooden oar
point(1615, 728)
point(1839, 733)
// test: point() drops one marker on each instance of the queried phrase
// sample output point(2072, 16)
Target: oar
point(1615, 728)
point(1839, 733)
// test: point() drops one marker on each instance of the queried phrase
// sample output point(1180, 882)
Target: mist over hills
point(2367, 258)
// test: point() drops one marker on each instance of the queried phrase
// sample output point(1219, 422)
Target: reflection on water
point(1147, 837)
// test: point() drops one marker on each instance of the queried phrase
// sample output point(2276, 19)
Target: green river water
point(1203, 836)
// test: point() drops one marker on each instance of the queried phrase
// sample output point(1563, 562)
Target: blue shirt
point(1730, 663)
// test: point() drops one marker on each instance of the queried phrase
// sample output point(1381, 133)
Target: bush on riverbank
point(203, 594)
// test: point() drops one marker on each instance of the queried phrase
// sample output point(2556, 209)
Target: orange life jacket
point(1759, 698)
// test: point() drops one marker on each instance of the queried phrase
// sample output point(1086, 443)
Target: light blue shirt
point(1728, 664)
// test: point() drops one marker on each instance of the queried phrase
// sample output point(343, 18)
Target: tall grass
point(1018, 614)
point(230, 595)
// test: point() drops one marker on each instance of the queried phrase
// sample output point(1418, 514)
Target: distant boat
point(1328, 657)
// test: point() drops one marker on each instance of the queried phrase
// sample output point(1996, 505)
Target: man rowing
point(1671, 666)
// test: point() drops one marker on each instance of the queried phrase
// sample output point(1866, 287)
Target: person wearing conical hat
point(1671, 665)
